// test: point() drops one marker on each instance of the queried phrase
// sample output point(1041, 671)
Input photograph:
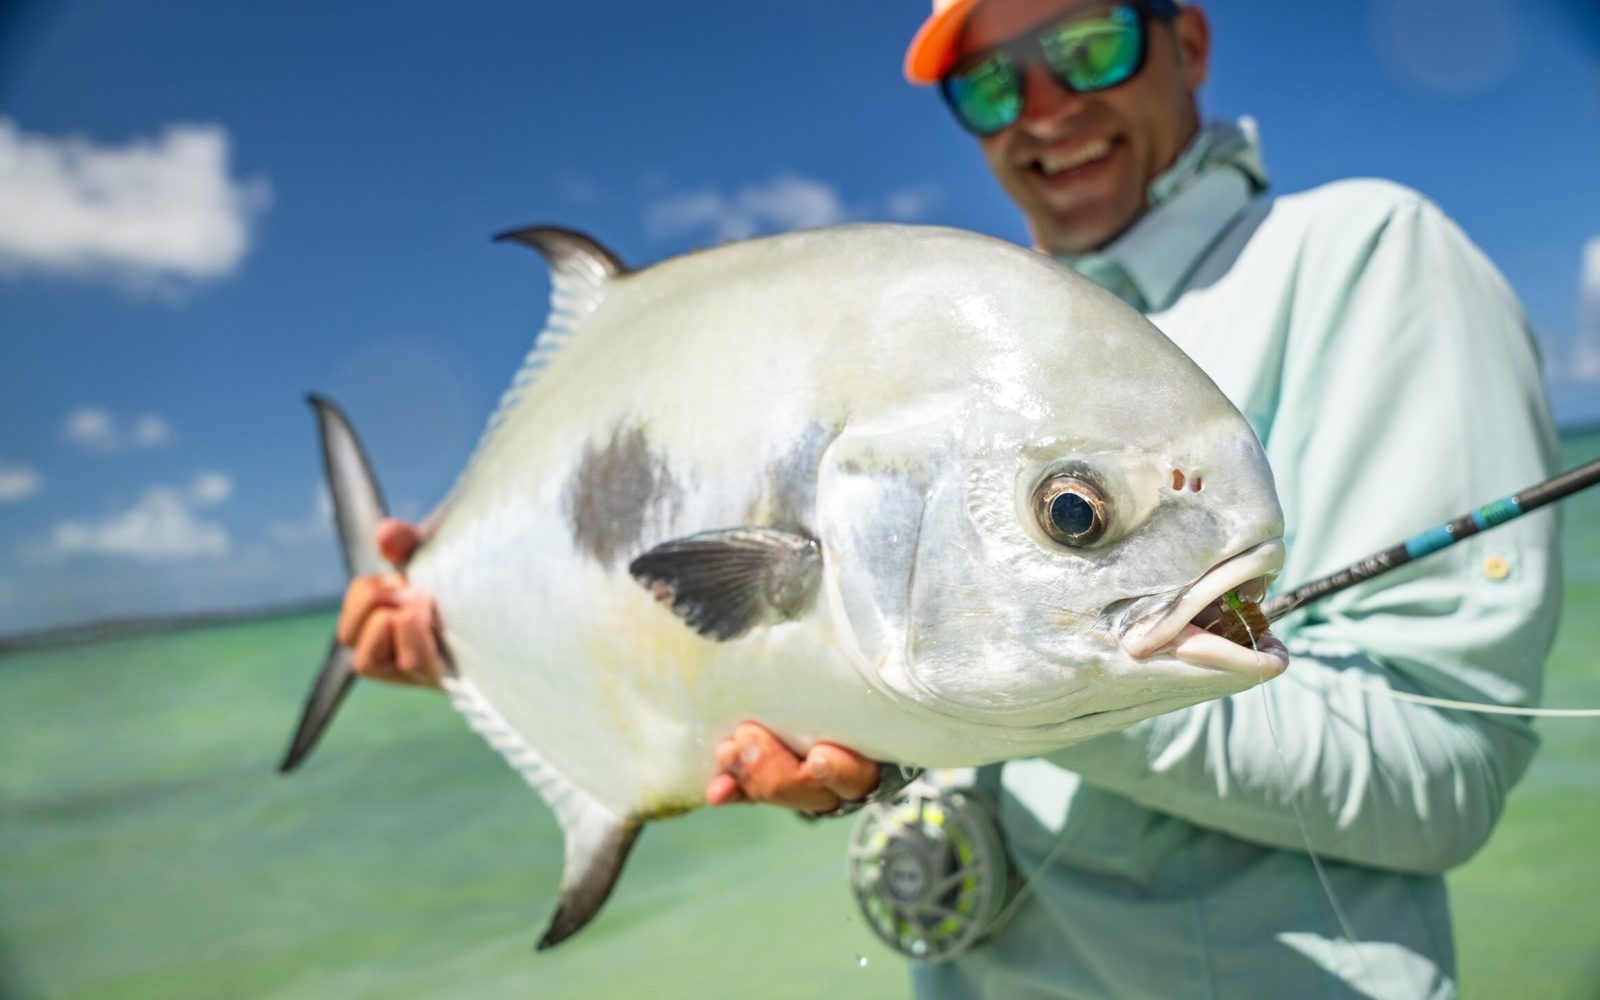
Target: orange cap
point(933, 50)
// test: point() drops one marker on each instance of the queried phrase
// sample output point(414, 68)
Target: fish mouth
point(1216, 621)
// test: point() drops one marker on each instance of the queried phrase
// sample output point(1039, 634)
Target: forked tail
point(357, 508)
point(598, 837)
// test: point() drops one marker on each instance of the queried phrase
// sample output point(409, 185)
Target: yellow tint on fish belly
point(666, 807)
point(647, 666)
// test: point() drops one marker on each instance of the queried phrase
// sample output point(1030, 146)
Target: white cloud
point(152, 210)
point(786, 202)
point(94, 428)
point(578, 189)
point(1586, 345)
point(911, 204)
point(210, 489)
point(149, 431)
point(793, 203)
point(160, 526)
point(18, 482)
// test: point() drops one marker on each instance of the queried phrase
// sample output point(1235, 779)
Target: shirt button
point(1496, 567)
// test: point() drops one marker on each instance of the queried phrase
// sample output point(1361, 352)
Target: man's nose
point(1046, 104)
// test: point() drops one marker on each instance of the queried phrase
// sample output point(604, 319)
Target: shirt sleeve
point(1411, 394)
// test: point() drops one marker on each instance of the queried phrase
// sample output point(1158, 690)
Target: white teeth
point(1055, 163)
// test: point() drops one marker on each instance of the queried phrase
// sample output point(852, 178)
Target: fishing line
point(1467, 706)
point(1349, 938)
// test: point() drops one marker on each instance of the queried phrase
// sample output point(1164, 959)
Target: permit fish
point(911, 490)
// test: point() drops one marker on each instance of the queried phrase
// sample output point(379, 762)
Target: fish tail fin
point(597, 838)
point(357, 508)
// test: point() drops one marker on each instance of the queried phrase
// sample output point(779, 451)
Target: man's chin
point(1075, 235)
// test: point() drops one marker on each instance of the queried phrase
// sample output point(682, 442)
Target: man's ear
point(1193, 34)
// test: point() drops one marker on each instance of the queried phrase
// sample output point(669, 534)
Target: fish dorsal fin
point(580, 269)
point(597, 839)
point(724, 583)
point(580, 272)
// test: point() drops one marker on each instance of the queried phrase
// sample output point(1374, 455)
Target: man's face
point(1079, 165)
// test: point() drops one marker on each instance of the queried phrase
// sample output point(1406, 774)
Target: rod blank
point(1438, 537)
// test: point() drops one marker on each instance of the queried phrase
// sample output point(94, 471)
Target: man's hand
point(756, 767)
point(389, 625)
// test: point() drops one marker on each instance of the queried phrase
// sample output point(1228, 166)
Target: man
point(1390, 375)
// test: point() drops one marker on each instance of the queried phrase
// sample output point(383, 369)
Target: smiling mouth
point(1054, 164)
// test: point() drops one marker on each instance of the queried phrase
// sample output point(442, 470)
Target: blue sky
point(208, 209)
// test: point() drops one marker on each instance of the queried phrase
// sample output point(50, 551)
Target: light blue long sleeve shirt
point(1390, 374)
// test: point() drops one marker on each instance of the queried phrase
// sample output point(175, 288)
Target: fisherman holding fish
point(1389, 372)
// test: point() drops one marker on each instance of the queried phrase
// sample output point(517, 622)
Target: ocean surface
point(148, 848)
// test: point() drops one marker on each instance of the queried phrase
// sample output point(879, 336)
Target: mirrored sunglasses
point(1088, 51)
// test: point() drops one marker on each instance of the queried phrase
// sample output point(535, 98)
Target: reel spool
point(929, 871)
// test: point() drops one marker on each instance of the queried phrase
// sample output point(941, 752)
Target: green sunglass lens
point(1096, 53)
point(987, 97)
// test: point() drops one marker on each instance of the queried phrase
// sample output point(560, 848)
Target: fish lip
point(1197, 647)
point(1144, 639)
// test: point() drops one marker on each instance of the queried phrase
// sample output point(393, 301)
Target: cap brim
point(933, 50)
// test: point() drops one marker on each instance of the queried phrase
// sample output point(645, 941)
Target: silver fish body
point(819, 481)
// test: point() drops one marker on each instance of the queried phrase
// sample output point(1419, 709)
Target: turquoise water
point(148, 848)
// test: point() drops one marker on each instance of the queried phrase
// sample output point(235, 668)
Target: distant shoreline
point(120, 628)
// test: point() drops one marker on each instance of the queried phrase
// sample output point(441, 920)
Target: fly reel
point(929, 871)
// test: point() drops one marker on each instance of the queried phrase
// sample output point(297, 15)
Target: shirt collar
point(1188, 208)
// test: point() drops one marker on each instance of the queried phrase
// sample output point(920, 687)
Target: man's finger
point(848, 775)
point(724, 790)
point(768, 771)
point(726, 757)
point(363, 595)
point(374, 649)
point(416, 650)
point(396, 539)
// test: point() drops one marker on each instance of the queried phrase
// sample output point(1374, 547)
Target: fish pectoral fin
point(724, 583)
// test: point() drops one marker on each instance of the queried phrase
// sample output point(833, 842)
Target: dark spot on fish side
point(617, 495)
point(788, 494)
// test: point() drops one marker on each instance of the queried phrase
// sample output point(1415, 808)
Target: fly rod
point(1438, 537)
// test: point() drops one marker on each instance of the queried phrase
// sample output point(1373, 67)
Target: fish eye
point(1071, 510)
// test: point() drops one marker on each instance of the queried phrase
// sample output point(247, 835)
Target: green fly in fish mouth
point(1217, 622)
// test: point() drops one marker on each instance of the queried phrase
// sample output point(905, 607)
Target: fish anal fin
point(724, 583)
point(597, 845)
point(597, 837)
